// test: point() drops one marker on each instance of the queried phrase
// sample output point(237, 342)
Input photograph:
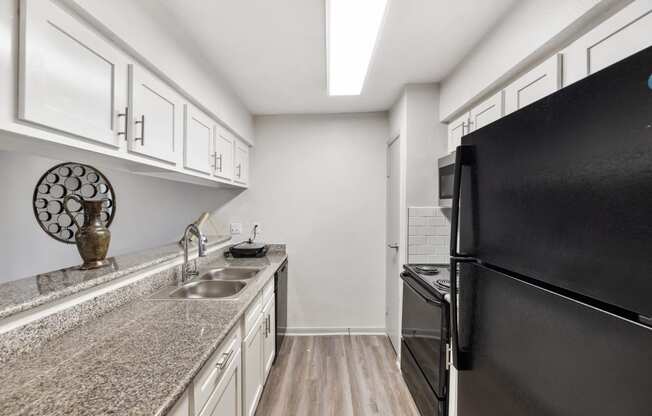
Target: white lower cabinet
point(226, 399)
point(232, 380)
point(269, 339)
point(253, 367)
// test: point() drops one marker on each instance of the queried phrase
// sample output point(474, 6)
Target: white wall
point(155, 41)
point(150, 212)
point(531, 30)
point(318, 185)
point(426, 141)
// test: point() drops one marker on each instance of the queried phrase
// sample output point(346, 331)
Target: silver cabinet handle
point(142, 130)
point(126, 116)
point(220, 159)
point(221, 363)
point(214, 156)
point(395, 245)
point(239, 167)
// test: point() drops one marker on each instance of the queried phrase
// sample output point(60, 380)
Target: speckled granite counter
point(30, 292)
point(135, 360)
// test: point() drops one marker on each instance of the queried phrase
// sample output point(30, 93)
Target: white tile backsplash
point(428, 234)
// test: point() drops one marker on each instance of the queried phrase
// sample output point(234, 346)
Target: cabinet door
point(70, 79)
point(198, 140)
point(156, 111)
point(226, 400)
point(182, 407)
point(536, 84)
point(253, 368)
point(241, 169)
point(456, 129)
point(269, 342)
point(623, 34)
point(223, 154)
point(486, 112)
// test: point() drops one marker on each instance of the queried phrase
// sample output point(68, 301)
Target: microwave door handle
point(461, 358)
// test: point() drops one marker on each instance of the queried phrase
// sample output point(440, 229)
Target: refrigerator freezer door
point(536, 353)
point(561, 191)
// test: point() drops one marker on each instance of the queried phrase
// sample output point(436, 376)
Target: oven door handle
point(410, 281)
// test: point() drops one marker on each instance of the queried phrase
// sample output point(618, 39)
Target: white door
point(198, 140)
point(241, 168)
point(486, 112)
point(223, 154)
point(625, 33)
point(456, 129)
point(156, 113)
point(392, 251)
point(71, 79)
point(253, 368)
point(269, 343)
point(536, 84)
point(226, 399)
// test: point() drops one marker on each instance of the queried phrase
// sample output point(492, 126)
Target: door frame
point(402, 238)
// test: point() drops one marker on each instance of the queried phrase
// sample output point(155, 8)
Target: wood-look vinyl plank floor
point(336, 376)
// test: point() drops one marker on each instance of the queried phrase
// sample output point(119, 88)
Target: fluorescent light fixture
point(352, 30)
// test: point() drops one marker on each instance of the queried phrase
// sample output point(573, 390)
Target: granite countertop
point(30, 292)
point(137, 359)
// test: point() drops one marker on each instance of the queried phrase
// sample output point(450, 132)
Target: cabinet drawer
point(252, 314)
point(268, 292)
point(209, 376)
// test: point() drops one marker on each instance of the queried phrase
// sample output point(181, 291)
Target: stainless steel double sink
point(219, 283)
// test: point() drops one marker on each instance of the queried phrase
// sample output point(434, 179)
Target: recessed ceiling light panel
point(352, 29)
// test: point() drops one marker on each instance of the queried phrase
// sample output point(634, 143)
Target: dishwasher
point(281, 292)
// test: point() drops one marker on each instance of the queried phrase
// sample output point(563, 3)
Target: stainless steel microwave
point(446, 166)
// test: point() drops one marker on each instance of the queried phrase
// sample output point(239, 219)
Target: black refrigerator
point(553, 206)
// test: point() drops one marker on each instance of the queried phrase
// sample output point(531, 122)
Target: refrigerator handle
point(460, 358)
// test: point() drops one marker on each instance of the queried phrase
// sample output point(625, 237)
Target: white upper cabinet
point(456, 129)
point(241, 168)
point(536, 84)
point(198, 140)
point(70, 79)
point(486, 112)
point(627, 32)
point(223, 154)
point(156, 111)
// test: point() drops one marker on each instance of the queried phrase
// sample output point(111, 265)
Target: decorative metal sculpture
point(75, 203)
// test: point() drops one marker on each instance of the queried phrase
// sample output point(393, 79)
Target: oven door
point(425, 332)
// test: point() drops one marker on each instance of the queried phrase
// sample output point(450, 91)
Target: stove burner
point(427, 269)
point(443, 283)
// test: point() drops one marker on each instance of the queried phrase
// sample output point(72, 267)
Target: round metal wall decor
point(70, 179)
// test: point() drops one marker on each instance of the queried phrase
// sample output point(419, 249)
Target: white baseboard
point(323, 331)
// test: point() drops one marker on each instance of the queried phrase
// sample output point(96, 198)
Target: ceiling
point(272, 53)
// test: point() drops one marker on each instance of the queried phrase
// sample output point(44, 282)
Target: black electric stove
point(434, 277)
point(425, 335)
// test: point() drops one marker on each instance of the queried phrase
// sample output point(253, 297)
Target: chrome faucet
point(186, 271)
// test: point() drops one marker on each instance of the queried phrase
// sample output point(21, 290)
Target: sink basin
point(207, 290)
point(230, 273)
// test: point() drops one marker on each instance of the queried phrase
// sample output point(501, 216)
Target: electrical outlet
point(236, 228)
